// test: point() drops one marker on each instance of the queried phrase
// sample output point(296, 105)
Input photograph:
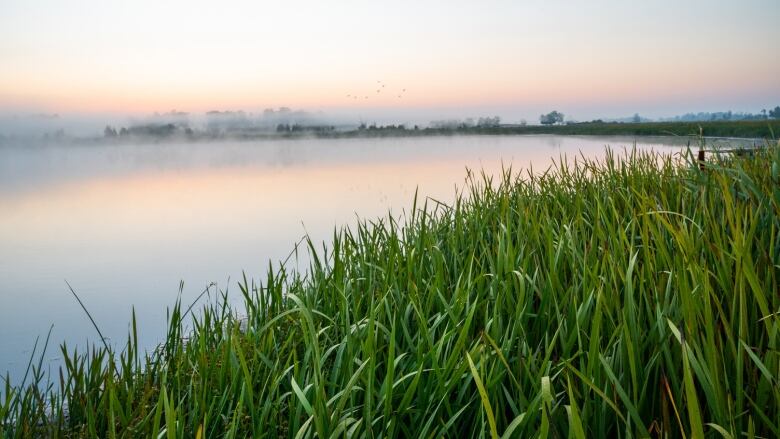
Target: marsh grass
point(633, 296)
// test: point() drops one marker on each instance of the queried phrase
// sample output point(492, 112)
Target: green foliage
point(760, 129)
point(551, 118)
point(636, 296)
point(748, 129)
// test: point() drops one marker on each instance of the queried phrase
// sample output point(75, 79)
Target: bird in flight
point(380, 86)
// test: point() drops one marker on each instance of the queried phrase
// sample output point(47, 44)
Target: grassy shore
point(749, 129)
point(745, 129)
point(759, 129)
point(632, 297)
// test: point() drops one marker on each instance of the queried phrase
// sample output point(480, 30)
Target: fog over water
point(124, 224)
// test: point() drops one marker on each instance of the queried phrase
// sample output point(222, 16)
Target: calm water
point(124, 224)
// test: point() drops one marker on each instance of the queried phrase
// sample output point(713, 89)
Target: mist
point(56, 128)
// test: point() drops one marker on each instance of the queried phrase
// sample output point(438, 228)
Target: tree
point(636, 118)
point(109, 131)
point(775, 114)
point(489, 122)
point(551, 118)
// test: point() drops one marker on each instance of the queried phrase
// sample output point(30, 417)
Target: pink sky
point(608, 58)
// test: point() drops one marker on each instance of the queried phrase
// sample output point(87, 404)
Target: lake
point(124, 224)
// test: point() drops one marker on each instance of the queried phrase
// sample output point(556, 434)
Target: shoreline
point(721, 130)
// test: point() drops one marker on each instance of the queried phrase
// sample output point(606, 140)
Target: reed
point(632, 296)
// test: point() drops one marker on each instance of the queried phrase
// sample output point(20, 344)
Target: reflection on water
point(123, 224)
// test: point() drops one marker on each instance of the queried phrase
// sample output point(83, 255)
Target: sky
point(445, 59)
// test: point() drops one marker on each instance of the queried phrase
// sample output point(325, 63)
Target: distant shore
point(158, 133)
point(753, 129)
point(739, 129)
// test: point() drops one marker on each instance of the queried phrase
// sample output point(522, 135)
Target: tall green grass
point(634, 296)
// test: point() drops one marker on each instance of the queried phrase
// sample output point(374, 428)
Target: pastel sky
point(454, 58)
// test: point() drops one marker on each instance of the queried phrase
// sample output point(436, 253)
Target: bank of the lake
point(757, 131)
point(636, 295)
point(746, 129)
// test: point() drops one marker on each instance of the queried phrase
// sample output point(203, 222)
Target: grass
point(748, 129)
point(631, 297)
point(760, 129)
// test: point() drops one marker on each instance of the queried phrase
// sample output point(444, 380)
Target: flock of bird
point(380, 88)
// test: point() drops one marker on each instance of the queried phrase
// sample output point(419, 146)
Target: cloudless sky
point(454, 58)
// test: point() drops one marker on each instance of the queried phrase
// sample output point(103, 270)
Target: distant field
point(764, 129)
point(757, 129)
point(753, 129)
